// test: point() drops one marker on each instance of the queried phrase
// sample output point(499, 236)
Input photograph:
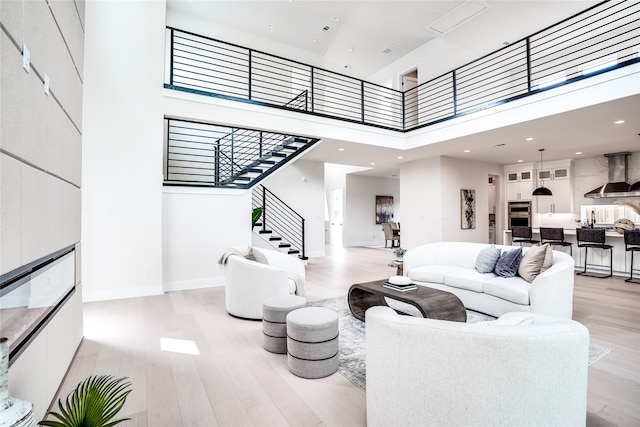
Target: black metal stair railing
point(203, 154)
point(282, 225)
point(600, 39)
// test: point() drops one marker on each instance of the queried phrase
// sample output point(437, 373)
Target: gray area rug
point(352, 339)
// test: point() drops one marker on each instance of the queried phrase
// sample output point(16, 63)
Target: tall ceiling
point(351, 37)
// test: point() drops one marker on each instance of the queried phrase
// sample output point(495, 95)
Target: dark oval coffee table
point(432, 303)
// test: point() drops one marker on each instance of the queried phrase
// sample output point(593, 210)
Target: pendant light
point(542, 190)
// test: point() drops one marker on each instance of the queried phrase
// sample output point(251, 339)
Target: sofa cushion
point(514, 289)
point(507, 265)
point(487, 259)
point(466, 278)
point(431, 273)
point(531, 262)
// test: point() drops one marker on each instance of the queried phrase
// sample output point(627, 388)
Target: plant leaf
point(94, 403)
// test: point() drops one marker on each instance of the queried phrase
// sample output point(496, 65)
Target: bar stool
point(632, 244)
point(593, 238)
point(554, 236)
point(522, 234)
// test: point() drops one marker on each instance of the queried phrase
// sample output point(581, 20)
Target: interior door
point(409, 81)
point(336, 217)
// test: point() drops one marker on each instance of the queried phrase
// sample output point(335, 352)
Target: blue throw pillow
point(487, 259)
point(507, 265)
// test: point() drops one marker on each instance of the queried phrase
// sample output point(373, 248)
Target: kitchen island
point(597, 257)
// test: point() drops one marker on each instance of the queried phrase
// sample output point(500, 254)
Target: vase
point(13, 412)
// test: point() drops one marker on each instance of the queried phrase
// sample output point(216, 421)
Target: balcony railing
point(600, 39)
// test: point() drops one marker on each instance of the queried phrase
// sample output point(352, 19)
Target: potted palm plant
point(94, 402)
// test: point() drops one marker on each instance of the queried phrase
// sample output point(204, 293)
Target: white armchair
point(248, 283)
point(423, 372)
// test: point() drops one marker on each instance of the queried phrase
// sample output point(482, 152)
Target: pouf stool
point(312, 342)
point(274, 320)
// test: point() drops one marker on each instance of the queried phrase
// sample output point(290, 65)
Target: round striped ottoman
point(312, 342)
point(274, 320)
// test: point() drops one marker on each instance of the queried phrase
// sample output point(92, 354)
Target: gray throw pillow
point(507, 265)
point(487, 259)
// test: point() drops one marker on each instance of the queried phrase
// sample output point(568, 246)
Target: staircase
point(202, 154)
point(280, 225)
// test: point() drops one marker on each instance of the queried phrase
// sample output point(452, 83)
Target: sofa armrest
point(294, 267)
point(551, 292)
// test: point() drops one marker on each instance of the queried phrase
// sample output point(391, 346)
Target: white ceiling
point(360, 31)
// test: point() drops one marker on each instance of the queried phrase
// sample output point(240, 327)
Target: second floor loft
point(603, 38)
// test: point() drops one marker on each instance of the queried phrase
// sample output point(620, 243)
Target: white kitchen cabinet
point(557, 178)
point(561, 200)
point(519, 184)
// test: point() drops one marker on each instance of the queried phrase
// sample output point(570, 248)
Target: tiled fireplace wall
point(40, 170)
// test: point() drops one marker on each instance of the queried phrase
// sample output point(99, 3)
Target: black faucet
point(593, 220)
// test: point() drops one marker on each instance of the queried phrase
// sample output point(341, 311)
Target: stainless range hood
point(618, 177)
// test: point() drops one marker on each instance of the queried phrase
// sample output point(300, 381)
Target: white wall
point(198, 226)
point(122, 156)
point(449, 56)
point(430, 190)
point(40, 178)
point(360, 228)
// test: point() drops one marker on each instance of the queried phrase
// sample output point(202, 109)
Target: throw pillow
point(507, 265)
point(531, 263)
point(487, 259)
point(548, 258)
point(258, 256)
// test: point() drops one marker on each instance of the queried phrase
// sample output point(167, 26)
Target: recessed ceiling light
point(336, 18)
point(578, 152)
point(399, 157)
point(313, 40)
point(529, 139)
point(520, 161)
point(618, 122)
point(398, 43)
point(340, 149)
point(372, 164)
point(467, 151)
point(271, 27)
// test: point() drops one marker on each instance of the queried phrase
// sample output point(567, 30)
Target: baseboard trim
point(120, 293)
point(183, 285)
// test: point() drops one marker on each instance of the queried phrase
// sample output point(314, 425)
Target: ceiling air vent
point(387, 50)
point(458, 16)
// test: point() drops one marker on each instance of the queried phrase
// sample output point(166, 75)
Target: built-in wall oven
point(519, 214)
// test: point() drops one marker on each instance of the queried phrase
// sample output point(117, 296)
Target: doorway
point(335, 218)
point(409, 80)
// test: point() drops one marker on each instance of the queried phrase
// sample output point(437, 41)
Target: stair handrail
point(279, 217)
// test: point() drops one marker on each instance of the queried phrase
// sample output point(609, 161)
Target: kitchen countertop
point(609, 232)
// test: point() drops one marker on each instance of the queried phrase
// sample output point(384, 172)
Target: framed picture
point(384, 209)
point(467, 209)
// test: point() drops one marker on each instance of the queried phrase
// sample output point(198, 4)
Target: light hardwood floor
point(234, 382)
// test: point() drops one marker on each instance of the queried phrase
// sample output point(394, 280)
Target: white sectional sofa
point(427, 372)
point(450, 266)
